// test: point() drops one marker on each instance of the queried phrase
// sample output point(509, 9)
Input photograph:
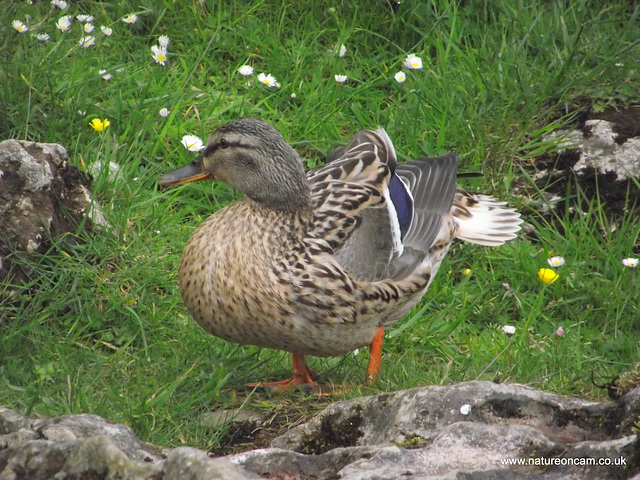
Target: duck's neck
point(291, 223)
point(285, 199)
point(284, 190)
point(294, 207)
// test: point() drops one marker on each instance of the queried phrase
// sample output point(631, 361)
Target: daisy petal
point(555, 261)
point(509, 329)
point(412, 62)
point(192, 143)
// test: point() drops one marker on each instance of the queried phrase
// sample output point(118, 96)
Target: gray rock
point(597, 161)
point(601, 151)
point(422, 434)
point(599, 148)
point(68, 428)
point(190, 464)
point(503, 432)
point(75, 447)
point(41, 197)
point(246, 416)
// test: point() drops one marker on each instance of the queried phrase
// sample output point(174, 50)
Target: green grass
point(101, 327)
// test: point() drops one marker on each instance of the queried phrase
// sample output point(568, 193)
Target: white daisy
point(64, 23)
point(85, 18)
point(400, 77)
point(340, 78)
point(555, 261)
point(61, 4)
point(509, 329)
point(341, 50)
point(19, 26)
point(630, 262)
point(164, 112)
point(268, 79)
point(163, 41)
point(105, 75)
point(106, 30)
point(245, 70)
point(88, 27)
point(412, 62)
point(87, 42)
point(159, 54)
point(43, 37)
point(130, 19)
point(192, 143)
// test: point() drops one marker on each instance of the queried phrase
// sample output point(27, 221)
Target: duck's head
point(251, 156)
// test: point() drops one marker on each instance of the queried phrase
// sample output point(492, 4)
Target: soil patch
point(568, 188)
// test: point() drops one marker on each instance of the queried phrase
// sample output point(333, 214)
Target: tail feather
point(483, 220)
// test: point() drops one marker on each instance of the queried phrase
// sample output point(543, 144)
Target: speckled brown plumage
point(287, 267)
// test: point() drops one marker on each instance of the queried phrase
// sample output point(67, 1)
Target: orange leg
point(302, 376)
point(375, 355)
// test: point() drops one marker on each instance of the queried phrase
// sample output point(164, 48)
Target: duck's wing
point(391, 237)
point(343, 191)
point(367, 161)
point(431, 183)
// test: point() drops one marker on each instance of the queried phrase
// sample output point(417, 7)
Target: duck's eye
point(223, 143)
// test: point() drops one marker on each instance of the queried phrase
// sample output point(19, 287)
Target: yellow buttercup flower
point(99, 125)
point(547, 275)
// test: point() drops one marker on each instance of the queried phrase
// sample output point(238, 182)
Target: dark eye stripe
point(223, 143)
point(209, 150)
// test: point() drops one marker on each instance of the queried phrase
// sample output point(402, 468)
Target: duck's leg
point(375, 355)
point(303, 375)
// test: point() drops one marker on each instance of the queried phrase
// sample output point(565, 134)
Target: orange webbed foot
point(375, 356)
point(303, 377)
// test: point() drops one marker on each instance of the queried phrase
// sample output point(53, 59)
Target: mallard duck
point(320, 263)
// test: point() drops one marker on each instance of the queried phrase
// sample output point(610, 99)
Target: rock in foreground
point(477, 430)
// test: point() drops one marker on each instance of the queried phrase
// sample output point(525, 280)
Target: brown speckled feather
point(276, 269)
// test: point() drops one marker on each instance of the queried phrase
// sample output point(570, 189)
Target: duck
point(323, 262)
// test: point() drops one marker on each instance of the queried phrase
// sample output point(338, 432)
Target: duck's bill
point(189, 173)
